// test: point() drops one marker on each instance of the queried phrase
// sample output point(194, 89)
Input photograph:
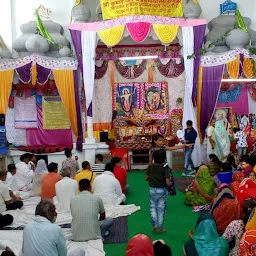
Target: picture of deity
point(245, 124)
point(126, 97)
point(155, 99)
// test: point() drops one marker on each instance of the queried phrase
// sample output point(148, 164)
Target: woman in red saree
point(237, 179)
point(225, 208)
point(140, 245)
point(247, 189)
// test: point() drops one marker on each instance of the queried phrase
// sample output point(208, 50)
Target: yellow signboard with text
point(112, 9)
point(54, 114)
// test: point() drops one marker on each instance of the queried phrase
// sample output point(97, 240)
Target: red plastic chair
point(122, 153)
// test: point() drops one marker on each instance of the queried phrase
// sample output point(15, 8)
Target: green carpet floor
point(179, 218)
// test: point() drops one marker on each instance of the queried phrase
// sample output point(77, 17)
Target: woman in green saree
point(201, 191)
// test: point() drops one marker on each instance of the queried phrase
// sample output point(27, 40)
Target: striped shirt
point(98, 168)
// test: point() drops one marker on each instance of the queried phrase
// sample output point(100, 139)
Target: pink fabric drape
point(240, 106)
point(138, 31)
point(41, 137)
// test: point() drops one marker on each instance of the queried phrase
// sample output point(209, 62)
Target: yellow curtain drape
point(6, 78)
point(199, 98)
point(65, 83)
point(233, 67)
point(166, 33)
point(248, 68)
point(112, 36)
point(34, 74)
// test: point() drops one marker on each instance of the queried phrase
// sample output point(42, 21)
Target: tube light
point(239, 80)
point(139, 58)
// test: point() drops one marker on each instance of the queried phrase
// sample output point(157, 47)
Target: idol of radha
point(222, 145)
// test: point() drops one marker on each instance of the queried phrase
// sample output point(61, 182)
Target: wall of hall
point(13, 13)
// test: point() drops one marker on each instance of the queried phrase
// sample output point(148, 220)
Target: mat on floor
point(119, 232)
point(182, 183)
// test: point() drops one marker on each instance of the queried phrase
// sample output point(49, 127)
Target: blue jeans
point(241, 151)
point(158, 206)
point(188, 160)
point(106, 226)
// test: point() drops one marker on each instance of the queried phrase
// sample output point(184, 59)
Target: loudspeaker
point(103, 136)
point(2, 120)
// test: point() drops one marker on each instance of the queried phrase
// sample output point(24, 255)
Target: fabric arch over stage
point(85, 37)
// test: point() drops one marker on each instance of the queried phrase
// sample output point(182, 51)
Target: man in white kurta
point(65, 190)
point(108, 188)
point(211, 139)
point(23, 178)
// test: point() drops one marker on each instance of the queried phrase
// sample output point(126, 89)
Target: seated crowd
point(83, 194)
point(226, 193)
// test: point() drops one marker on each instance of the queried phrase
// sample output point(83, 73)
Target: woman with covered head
point(225, 208)
point(205, 240)
point(201, 191)
point(235, 229)
point(222, 145)
point(140, 245)
point(40, 171)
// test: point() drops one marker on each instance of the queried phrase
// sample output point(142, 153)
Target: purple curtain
point(41, 137)
point(24, 73)
point(42, 74)
point(199, 34)
point(79, 143)
point(210, 90)
point(76, 38)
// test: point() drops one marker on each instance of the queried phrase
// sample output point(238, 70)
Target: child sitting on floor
point(158, 176)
